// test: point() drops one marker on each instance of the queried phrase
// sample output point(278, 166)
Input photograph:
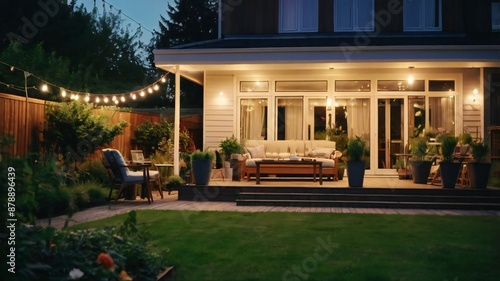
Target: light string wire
point(75, 95)
point(130, 18)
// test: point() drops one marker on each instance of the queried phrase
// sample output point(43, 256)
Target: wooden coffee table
point(290, 167)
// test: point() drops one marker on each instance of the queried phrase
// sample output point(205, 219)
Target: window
point(442, 114)
point(400, 85)
point(495, 16)
point(289, 117)
point(253, 119)
point(302, 86)
point(353, 15)
point(422, 15)
point(352, 85)
point(298, 15)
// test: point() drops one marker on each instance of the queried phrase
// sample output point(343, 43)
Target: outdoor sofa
point(301, 150)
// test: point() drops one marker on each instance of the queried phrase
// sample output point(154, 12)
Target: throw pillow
point(257, 152)
point(321, 152)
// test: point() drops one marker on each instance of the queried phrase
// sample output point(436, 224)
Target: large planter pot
point(228, 170)
point(449, 173)
point(202, 170)
point(355, 173)
point(479, 174)
point(420, 171)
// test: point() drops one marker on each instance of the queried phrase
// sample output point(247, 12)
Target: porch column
point(177, 118)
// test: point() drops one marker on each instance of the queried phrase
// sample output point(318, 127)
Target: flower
point(106, 260)
point(75, 274)
point(124, 276)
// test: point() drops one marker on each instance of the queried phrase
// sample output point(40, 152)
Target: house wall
point(219, 107)
point(245, 17)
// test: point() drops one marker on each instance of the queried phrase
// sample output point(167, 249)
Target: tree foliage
point(68, 46)
point(72, 127)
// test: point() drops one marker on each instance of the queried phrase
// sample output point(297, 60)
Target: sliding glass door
point(390, 131)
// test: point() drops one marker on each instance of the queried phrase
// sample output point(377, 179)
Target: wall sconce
point(221, 98)
point(328, 103)
point(474, 92)
point(410, 77)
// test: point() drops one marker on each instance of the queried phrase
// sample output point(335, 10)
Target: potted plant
point(341, 170)
point(421, 167)
point(479, 171)
point(400, 167)
point(229, 146)
point(449, 169)
point(355, 164)
point(173, 182)
point(201, 163)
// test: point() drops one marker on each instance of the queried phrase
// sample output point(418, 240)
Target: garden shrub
point(93, 170)
point(88, 194)
point(47, 254)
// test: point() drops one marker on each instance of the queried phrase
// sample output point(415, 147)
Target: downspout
point(177, 118)
point(219, 27)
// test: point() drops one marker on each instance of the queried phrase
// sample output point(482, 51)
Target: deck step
point(460, 199)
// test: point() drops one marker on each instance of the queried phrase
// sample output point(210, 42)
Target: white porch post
point(177, 118)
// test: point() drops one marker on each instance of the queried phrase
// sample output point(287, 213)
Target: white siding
point(219, 110)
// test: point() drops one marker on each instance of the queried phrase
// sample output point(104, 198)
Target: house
point(382, 69)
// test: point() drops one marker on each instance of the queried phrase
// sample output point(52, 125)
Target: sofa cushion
point(257, 152)
point(321, 152)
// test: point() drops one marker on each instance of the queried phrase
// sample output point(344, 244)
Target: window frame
point(298, 17)
point(422, 17)
point(354, 17)
point(495, 16)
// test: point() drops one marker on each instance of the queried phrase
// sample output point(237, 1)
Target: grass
point(291, 246)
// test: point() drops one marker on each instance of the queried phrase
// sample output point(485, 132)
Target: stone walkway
point(170, 202)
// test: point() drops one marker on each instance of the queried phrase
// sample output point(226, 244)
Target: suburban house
point(383, 70)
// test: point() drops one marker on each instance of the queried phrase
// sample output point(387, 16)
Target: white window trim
point(493, 26)
point(354, 27)
point(298, 15)
point(422, 20)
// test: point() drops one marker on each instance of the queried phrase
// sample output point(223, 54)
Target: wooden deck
point(170, 202)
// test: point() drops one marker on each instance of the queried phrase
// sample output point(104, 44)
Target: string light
point(75, 95)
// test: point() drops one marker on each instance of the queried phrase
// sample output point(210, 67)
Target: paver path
point(170, 202)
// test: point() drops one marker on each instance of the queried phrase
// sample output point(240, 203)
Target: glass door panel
point(289, 118)
point(317, 118)
point(390, 139)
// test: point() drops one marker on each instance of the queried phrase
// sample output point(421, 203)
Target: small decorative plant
point(174, 181)
point(479, 150)
point(418, 148)
point(355, 149)
point(465, 138)
point(448, 144)
point(230, 146)
point(400, 164)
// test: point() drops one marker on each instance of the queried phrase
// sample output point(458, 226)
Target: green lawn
point(323, 246)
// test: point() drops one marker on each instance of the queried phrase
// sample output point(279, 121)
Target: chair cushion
point(321, 152)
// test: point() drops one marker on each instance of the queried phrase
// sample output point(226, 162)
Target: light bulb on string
point(97, 100)
point(77, 97)
point(106, 99)
point(150, 90)
point(114, 98)
point(142, 94)
point(134, 96)
point(122, 99)
point(163, 79)
point(45, 88)
point(63, 93)
point(116, 101)
point(87, 98)
point(156, 87)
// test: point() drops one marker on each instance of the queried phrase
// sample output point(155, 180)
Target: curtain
point(358, 118)
point(253, 113)
point(442, 114)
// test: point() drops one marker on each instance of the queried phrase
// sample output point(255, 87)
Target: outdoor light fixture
point(45, 88)
point(63, 93)
point(97, 100)
point(410, 77)
point(328, 103)
point(475, 92)
point(106, 99)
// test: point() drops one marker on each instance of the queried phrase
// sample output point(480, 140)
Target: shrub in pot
point(355, 164)
point(421, 167)
point(173, 182)
point(201, 163)
point(228, 147)
point(479, 171)
point(449, 169)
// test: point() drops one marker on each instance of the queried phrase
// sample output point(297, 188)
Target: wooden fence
point(27, 124)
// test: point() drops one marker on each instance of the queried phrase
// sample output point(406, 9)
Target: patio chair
point(123, 177)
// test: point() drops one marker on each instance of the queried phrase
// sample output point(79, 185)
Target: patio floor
point(170, 202)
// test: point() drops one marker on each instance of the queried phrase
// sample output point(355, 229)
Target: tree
point(103, 54)
point(72, 130)
point(190, 21)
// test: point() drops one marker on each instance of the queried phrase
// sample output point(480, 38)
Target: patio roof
point(300, 53)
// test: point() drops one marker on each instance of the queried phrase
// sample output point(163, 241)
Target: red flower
point(106, 260)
